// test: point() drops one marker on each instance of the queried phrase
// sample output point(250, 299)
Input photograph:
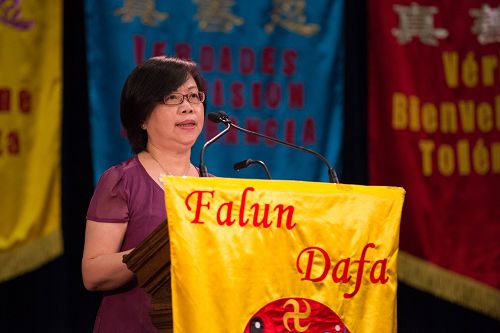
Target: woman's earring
point(143, 126)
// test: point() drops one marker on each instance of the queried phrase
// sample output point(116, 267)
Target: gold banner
point(30, 134)
point(282, 255)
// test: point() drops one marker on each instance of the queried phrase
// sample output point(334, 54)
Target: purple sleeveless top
point(126, 193)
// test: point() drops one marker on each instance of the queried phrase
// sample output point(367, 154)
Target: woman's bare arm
point(102, 266)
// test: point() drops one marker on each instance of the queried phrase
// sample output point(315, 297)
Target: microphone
point(246, 163)
point(221, 116)
point(214, 118)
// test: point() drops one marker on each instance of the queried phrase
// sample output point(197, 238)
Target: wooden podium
point(150, 261)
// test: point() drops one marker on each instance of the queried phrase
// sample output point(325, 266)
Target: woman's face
point(176, 126)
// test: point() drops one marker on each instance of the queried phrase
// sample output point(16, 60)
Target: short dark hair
point(145, 88)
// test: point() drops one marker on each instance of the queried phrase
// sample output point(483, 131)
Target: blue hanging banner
point(275, 67)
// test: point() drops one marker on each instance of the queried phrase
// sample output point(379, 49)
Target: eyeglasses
point(177, 98)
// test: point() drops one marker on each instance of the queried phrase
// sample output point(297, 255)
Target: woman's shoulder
point(121, 171)
point(125, 167)
point(112, 194)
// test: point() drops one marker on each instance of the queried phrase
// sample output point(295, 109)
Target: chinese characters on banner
point(434, 129)
point(275, 67)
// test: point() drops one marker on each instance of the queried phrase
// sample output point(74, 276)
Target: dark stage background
point(53, 299)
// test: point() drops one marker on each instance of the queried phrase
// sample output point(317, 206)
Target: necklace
point(185, 173)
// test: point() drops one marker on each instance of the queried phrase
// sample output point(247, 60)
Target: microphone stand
point(332, 175)
point(246, 163)
point(203, 167)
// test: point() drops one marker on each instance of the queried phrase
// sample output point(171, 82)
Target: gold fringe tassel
point(30, 256)
point(450, 286)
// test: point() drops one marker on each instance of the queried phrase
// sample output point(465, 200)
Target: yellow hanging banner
point(282, 256)
point(30, 134)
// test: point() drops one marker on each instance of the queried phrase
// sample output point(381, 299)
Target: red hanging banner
point(434, 129)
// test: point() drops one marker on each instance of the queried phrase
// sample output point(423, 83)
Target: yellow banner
point(30, 134)
point(282, 256)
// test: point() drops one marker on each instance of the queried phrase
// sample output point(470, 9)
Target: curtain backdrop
point(30, 134)
point(434, 129)
point(273, 67)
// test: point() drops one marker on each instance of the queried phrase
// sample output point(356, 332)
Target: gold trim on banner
point(35, 253)
point(450, 286)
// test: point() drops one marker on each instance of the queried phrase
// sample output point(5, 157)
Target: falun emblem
point(295, 315)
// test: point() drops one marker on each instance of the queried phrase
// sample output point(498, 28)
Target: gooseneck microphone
point(221, 116)
point(246, 163)
point(215, 118)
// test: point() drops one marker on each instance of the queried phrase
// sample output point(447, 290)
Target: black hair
point(145, 88)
